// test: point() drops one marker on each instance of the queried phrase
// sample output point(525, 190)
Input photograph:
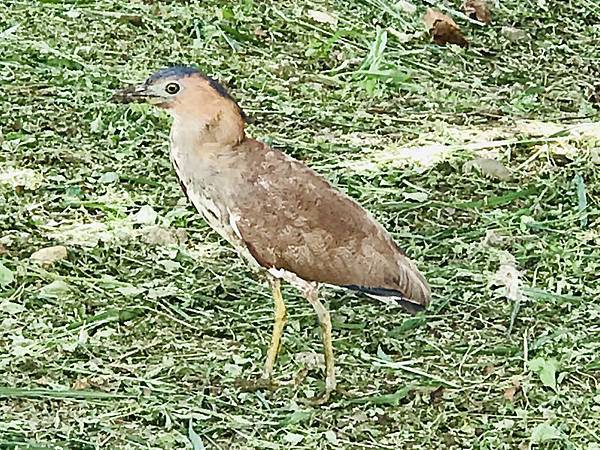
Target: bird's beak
point(132, 94)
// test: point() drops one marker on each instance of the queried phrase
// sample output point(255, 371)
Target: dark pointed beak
point(131, 94)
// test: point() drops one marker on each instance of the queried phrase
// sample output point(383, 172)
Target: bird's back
point(291, 218)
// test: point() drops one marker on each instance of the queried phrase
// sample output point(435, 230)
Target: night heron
point(280, 215)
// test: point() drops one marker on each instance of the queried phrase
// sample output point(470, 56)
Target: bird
point(287, 221)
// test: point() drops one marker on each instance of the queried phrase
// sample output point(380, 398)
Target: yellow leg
point(325, 323)
point(280, 317)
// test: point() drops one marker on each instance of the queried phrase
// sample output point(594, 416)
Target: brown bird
point(279, 214)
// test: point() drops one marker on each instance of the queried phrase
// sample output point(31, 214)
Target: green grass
point(142, 329)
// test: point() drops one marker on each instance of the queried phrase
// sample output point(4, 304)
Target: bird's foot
point(256, 384)
point(319, 400)
point(330, 387)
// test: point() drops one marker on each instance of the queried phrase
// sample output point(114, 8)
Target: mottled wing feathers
point(291, 218)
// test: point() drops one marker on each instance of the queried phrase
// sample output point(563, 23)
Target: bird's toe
point(256, 384)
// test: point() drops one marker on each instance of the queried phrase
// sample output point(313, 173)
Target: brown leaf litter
point(478, 10)
point(443, 29)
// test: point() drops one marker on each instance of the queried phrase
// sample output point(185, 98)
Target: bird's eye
point(172, 88)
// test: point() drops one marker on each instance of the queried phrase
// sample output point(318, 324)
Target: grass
point(147, 330)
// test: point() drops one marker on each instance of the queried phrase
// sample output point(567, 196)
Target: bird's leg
point(280, 317)
point(325, 323)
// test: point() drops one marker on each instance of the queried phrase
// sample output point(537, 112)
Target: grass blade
point(8, 392)
point(581, 200)
point(194, 438)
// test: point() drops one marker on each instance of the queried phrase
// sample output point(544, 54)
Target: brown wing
point(291, 218)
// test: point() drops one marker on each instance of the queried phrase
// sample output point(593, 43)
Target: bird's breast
point(209, 186)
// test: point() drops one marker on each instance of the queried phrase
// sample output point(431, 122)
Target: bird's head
point(188, 95)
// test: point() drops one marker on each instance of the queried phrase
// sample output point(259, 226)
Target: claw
point(320, 399)
point(256, 384)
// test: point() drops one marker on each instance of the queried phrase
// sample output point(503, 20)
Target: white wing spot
point(233, 223)
point(264, 183)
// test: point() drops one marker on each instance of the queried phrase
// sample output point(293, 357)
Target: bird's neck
point(215, 129)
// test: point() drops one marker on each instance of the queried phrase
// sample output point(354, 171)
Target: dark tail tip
point(388, 294)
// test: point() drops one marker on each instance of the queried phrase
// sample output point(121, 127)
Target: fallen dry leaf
point(49, 255)
point(488, 370)
point(433, 15)
point(508, 277)
point(488, 167)
point(416, 196)
point(513, 390)
point(402, 37)
point(322, 17)
point(133, 19)
point(80, 384)
point(103, 383)
point(436, 395)
point(538, 128)
point(91, 234)
point(405, 6)
point(11, 307)
point(145, 216)
point(156, 235)
point(309, 359)
point(514, 34)
point(42, 381)
point(477, 9)
point(21, 178)
point(509, 393)
point(258, 31)
point(443, 29)
point(494, 239)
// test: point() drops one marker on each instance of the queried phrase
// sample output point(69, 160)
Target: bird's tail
point(412, 292)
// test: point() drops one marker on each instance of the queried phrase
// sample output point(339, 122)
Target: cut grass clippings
point(146, 333)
